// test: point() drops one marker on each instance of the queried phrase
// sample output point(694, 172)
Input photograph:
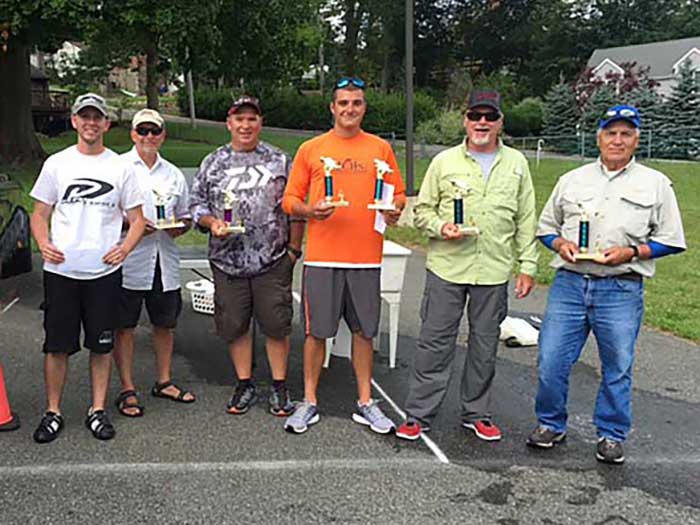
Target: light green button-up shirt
point(503, 208)
point(628, 207)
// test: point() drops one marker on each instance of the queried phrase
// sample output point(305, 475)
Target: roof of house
point(660, 57)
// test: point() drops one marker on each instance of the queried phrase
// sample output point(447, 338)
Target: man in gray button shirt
point(626, 215)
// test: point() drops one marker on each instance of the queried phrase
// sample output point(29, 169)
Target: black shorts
point(267, 296)
point(163, 307)
point(70, 303)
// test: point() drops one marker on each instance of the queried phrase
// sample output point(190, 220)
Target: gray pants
point(441, 313)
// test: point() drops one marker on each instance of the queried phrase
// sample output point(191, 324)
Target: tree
point(25, 25)
point(560, 118)
point(650, 106)
point(267, 43)
point(182, 29)
point(678, 137)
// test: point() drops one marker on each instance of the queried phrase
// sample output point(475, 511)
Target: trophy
point(162, 221)
point(462, 190)
point(232, 226)
point(584, 239)
point(382, 168)
point(329, 165)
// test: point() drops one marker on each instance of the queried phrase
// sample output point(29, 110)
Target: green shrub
point(288, 108)
point(525, 118)
point(447, 129)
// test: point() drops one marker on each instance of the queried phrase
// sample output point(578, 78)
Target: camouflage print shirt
point(257, 179)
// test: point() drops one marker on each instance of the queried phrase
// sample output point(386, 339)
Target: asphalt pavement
point(197, 464)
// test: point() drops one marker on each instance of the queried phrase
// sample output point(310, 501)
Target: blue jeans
point(612, 308)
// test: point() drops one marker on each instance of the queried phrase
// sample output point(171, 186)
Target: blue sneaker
point(305, 415)
point(372, 416)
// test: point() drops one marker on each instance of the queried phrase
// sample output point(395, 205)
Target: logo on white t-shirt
point(84, 188)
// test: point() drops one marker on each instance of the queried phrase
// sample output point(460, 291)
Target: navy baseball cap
point(621, 112)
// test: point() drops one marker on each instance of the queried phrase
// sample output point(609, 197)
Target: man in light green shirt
point(477, 204)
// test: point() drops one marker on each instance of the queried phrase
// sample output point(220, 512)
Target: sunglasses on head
point(346, 81)
point(490, 116)
point(622, 112)
point(145, 131)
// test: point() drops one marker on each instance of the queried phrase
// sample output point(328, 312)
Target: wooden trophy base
point(469, 231)
point(338, 204)
point(234, 228)
point(169, 225)
point(381, 206)
point(595, 257)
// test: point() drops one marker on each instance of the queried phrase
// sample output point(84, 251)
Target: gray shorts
point(329, 293)
point(267, 297)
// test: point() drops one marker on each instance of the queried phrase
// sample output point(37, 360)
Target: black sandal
point(99, 424)
point(123, 406)
point(157, 391)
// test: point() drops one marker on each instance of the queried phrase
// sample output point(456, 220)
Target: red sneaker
point(410, 430)
point(484, 429)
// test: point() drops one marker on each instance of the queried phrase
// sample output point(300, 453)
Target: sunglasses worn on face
point(346, 81)
point(145, 131)
point(490, 116)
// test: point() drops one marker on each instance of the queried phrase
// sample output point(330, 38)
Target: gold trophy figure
point(584, 239)
point(329, 165)
point(232, 226)
point(461, 191)
point(162, 221)
point(382, 168)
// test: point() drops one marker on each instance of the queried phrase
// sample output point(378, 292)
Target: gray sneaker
point(543, 437)
point(372, 416)
point(305, 414)
point(609, 451)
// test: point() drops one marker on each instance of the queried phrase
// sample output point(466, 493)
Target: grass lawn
point(672, 296)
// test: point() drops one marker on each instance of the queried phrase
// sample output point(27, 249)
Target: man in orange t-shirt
point(344, 250)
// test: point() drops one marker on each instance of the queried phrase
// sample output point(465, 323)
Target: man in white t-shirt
point(151, 273)
point(82, 192)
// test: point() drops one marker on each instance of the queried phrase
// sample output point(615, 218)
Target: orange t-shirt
point(347, 238)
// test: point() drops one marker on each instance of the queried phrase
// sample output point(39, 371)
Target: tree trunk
point(18, 143)
point(152, 71)
point(352, 18)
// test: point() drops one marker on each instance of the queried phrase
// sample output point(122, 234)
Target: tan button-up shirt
point(628, 207)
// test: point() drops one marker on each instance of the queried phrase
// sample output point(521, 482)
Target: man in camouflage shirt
point(243, 182)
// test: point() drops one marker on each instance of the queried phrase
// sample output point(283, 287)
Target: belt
point(627, 276)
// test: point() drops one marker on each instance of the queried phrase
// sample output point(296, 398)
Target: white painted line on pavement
point(442, 458)
point(10, 304)
point(285, 465)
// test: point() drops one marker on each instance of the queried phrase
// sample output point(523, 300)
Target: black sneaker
point(279, 402)
point(543, 437)
point(99, 424)
point(243, 398)
point(49, 427)
point(609, 451)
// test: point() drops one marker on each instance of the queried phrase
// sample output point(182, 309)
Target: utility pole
point(409, 97)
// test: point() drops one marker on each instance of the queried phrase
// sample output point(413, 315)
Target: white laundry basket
point(202, 292)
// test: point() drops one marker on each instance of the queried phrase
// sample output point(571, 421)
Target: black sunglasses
point(145, 131)
point(490, 116)
point(346, 81)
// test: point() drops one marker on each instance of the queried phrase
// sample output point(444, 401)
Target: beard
point(481, 140)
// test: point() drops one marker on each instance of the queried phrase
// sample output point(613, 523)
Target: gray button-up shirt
point(257, 178)
point(140, 266)
point(629, 207)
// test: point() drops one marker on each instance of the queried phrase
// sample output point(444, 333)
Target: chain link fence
point(681, 143)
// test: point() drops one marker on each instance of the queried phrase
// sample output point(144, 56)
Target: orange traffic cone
point(8, 420)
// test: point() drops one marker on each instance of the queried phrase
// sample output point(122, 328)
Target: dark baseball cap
point(485, 98)
point(243, 101)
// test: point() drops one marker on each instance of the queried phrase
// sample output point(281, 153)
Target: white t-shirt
point(89, 194)
point(140, 266)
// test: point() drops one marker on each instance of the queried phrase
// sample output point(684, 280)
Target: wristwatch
point(296, 253)
point(635, 249)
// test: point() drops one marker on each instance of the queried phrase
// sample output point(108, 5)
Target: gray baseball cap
point(90, 100)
